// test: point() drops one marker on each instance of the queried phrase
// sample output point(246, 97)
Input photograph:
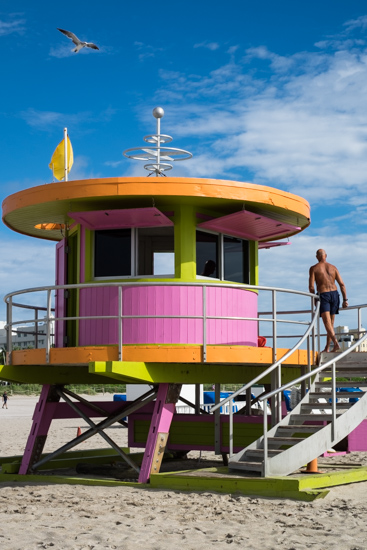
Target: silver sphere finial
point(158, 112)
point(158, 153)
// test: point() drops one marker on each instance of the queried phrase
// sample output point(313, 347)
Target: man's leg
point(330, 334)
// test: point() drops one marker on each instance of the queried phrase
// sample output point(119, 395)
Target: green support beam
point(50, 374)
point(185, 373)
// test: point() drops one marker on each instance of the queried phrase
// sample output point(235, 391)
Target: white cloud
point(352, 24)
point(11, 27)
point(208, 45)
point(146, 50)
point(302, 127)
point(47, 120)
point(61, 51)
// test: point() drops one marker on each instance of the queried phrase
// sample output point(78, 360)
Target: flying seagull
point(78, 43)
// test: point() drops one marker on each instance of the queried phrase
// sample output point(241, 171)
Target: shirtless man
point(325, 275)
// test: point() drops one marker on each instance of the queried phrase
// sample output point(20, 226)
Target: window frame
point(134, 243)
point(221, 256)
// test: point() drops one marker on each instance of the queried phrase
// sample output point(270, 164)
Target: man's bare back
point(324, 275)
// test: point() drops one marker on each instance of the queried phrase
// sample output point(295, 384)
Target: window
point(155, 251)
point(222, 257)
point(134, 252)
point(207, 246)
point(236, 265)
point(112, 252)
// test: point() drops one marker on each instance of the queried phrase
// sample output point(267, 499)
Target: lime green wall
point(185, 242)
point(254, 263)
point(88, 254)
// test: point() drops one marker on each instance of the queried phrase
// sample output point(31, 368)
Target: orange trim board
point(157, 354)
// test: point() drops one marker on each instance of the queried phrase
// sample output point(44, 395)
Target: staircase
point(314, 425)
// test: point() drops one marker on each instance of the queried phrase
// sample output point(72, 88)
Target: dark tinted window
point(207, 254)
point(236, 265)
point(112, 253)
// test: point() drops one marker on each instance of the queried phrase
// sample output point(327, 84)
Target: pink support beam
point(42, 418)
point(164, 410)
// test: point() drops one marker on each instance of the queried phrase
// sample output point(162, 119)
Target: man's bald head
point(321, 254)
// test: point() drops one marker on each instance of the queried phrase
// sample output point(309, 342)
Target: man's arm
point(341, 284)
point(311, 281)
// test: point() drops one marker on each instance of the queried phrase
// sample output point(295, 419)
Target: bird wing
point(70, 35)
point(91, 45)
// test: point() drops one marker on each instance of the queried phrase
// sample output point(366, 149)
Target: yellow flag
point(57, 164)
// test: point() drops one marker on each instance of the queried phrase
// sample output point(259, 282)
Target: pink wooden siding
point(98, 301)
point(168, 300)
point(230, 302)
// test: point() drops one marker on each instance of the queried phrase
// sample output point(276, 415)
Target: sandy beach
point(34, 515)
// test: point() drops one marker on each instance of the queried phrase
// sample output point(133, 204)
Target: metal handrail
point(274, 319)
point(332, 362)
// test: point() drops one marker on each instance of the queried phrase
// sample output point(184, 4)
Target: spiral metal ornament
point(158, 158)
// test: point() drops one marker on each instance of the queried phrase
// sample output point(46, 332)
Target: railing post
point(308, 359)
point(120, 321)
point(274, 316)
point(9, 322)
point(265, 441)
point(48, 326)
point(275, 375)
point(359, 325)
point(279, 395)
point(36, 327)
point(313, 304)
point(217, 420)
point(333, 402)
point(204, 324)
point(231, 403)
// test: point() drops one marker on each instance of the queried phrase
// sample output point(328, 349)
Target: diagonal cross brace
point(138, 403)
point(101, 432)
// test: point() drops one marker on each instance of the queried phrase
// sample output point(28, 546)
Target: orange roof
point(50, 204)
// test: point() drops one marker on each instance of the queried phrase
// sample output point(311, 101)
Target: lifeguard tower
point(157, 283)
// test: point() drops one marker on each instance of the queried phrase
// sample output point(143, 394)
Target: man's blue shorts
point(329, 301)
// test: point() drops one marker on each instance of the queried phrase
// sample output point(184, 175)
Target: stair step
point(299, 418)
point(311, 406)
point(356, 358)
point(327, 395)
point(345, 372)
point(284, 440)
point(341, 384)
point(260, 452)
point(318, 395)
point(299, 428)
point(244, 465)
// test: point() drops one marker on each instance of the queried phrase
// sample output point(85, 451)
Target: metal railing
point(278, 391)
point(273, 316)
point(362, 336)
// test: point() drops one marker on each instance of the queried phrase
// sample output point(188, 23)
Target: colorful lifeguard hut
point(156, 283)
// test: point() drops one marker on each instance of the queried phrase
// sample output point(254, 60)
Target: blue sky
point(271, 93)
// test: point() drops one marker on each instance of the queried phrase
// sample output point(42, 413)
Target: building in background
point(25, 337)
